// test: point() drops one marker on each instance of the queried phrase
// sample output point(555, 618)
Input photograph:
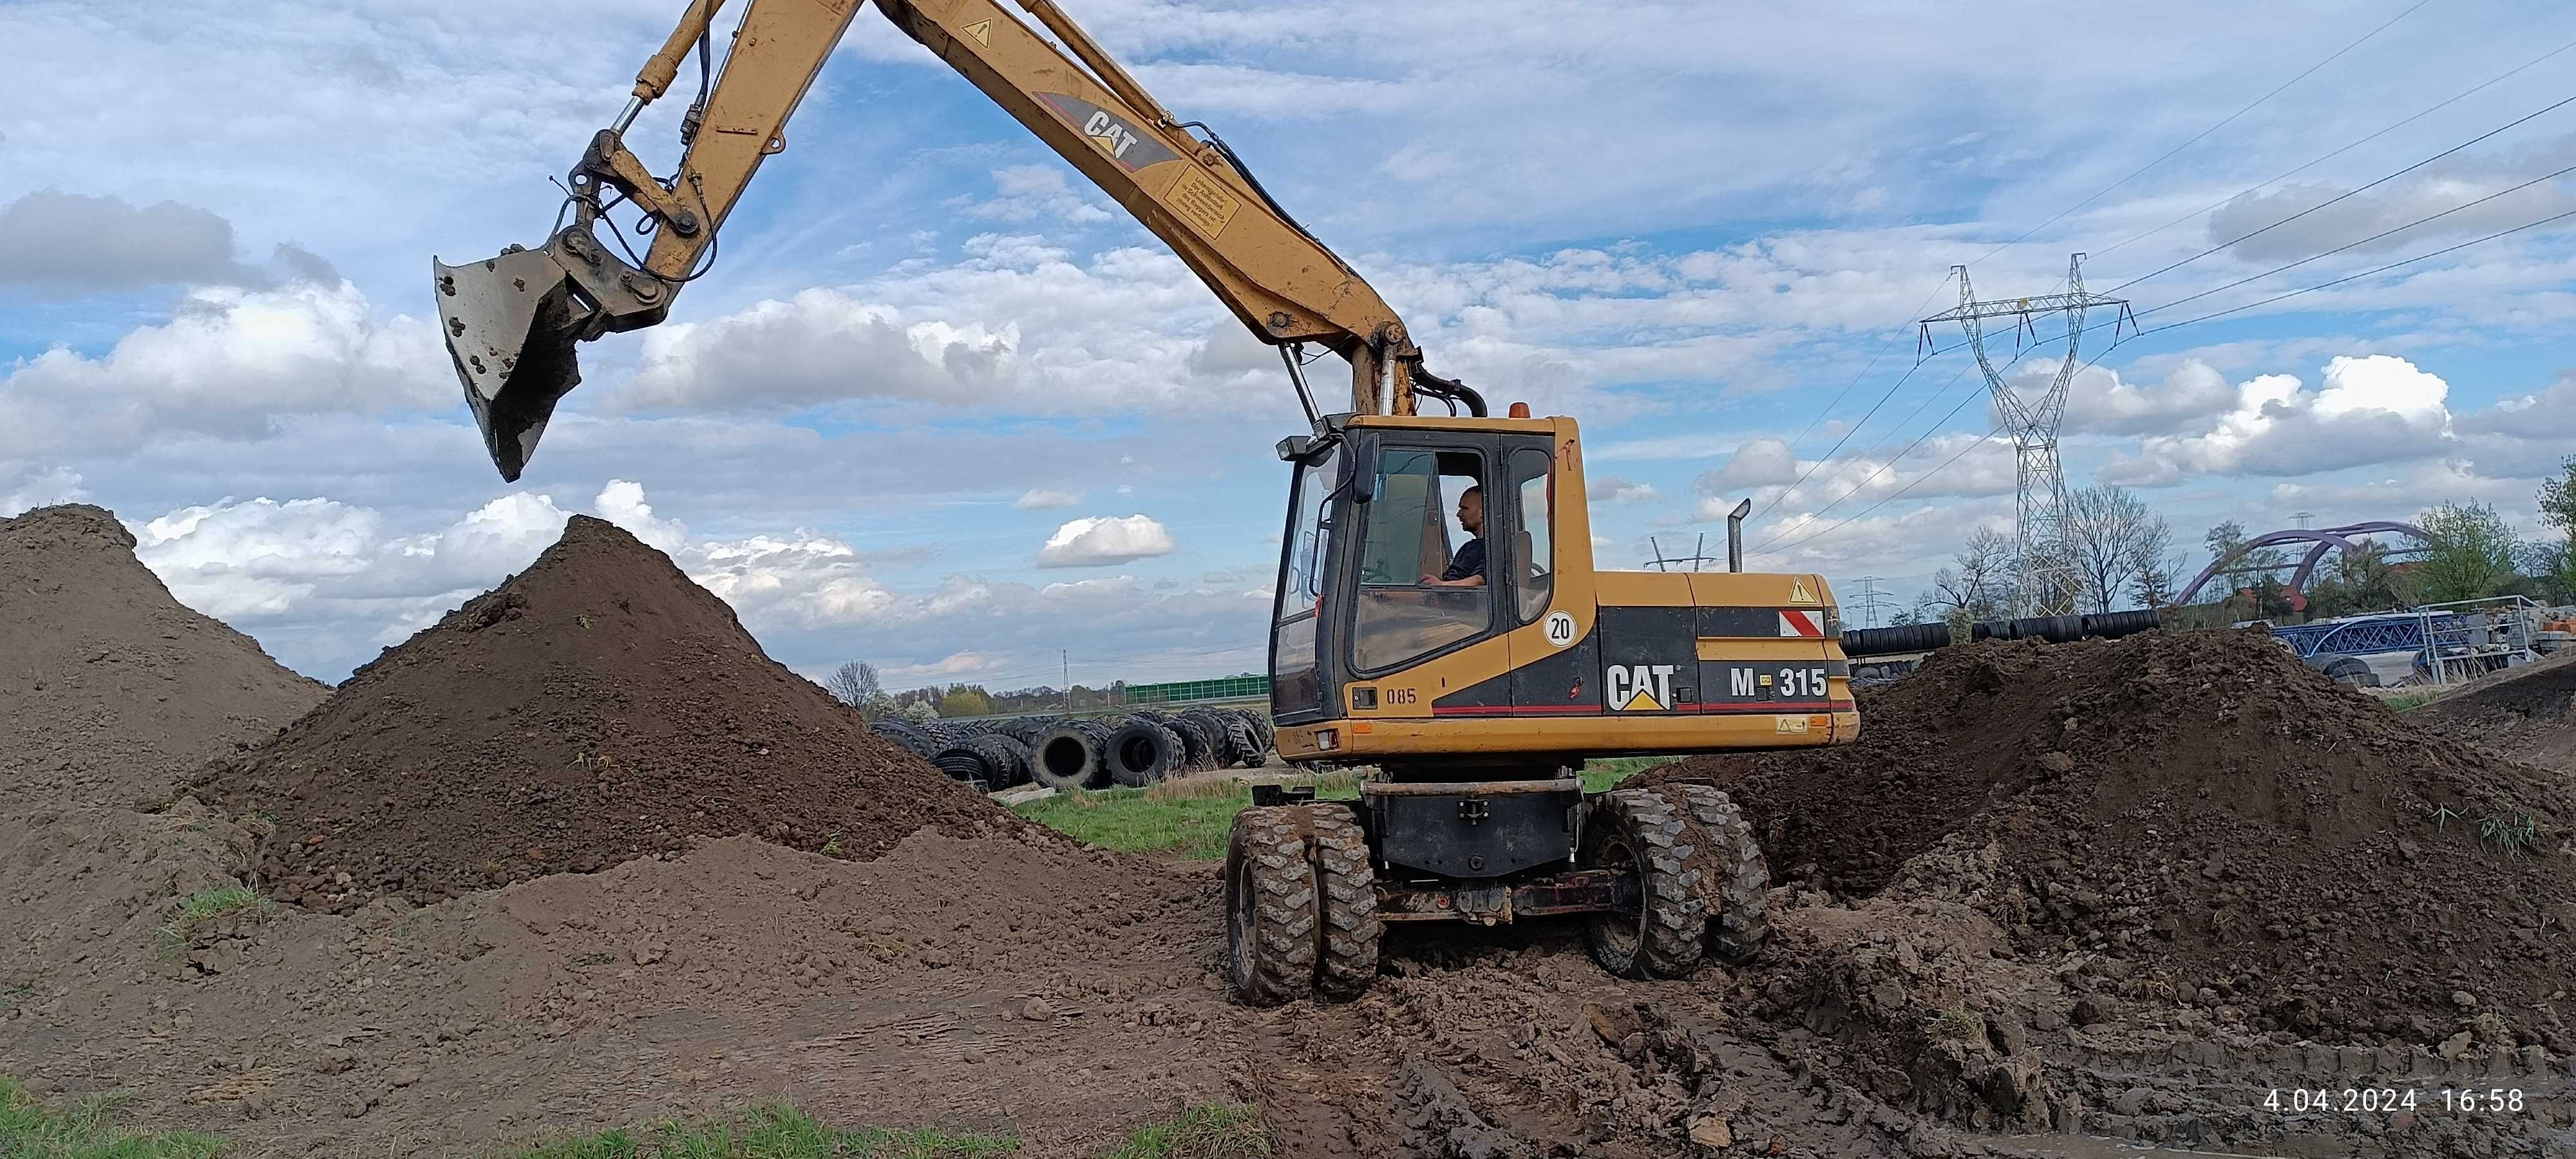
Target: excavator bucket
point(511, 322)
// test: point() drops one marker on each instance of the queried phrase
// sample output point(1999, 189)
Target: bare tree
point(2112, 534)
point(1978, 585)
point(2155, 568)
point(856, 684)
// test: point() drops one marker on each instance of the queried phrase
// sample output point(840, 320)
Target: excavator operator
point(1467, 568)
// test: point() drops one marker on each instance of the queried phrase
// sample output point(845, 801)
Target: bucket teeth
point(510, 323)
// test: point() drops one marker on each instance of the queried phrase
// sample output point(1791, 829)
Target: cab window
point(1534, 557)
point(1295, 684)
point(1424, 583)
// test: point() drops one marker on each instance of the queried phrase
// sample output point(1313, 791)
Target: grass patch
point(2509, 828)
point(31, 1130)
point(206, 905)
point(2402, 701)
point(1602, 775)
point(1190, 818)
point(769, 1131)
point(1217, 1131)
point(1187, 818)
point(1957, 1024)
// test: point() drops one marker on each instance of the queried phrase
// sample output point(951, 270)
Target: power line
point(2323, 158)
point(2341, 196)
point(2366, 241)
point(2196, 137)
point(1828, 409)
point(1980, 441)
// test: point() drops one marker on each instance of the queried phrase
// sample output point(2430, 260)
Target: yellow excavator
point(1474, 665)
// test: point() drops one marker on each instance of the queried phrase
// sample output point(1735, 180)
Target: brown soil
point(2528, 712)
point(110, 688)
point(598, 707)
point(2243, 834)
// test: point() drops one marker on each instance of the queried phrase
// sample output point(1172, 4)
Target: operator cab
point(1409, 540)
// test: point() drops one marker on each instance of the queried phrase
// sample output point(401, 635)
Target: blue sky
point(944, 407)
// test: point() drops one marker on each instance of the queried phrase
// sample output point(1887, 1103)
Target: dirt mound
point(598, 707)
point(2528, 712)
point(1008, 983)
point(2241, 833)
point(109, 687)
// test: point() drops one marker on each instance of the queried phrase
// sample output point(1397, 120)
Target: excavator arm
point(512, 322)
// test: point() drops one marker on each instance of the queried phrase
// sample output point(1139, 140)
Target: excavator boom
point(513, 322)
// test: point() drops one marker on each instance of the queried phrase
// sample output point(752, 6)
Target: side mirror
point(1364, 467)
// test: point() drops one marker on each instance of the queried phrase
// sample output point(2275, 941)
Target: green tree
point(2558, 509)
point(2360, 580)
point(964, 700)
point(2471, 556)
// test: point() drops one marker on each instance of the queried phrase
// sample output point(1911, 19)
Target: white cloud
point(622, 503)
point(229, 362)
point(67, 244)
point(1045, 499)
point(42, 488)
point(1759, 463)
point(2099, 402)
point(2374, 409)
point(1613, 489)
point(1027, 193)
point(1104, 541)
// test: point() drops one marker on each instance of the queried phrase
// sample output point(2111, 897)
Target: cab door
point(1553, 673)
point(1301, 687)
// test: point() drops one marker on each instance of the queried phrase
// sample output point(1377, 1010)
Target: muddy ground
point(972, 971)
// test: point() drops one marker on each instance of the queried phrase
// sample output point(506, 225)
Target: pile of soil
point(2528, 712)
point(2235, 830)
point(598, 707)
point(109, 687)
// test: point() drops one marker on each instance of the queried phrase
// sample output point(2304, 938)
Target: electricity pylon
point(2044, 582)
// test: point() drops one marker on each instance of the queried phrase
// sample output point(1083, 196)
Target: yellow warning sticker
point(982, 31)
point(1203, 201)
point(1789, 724)
point(1798, 593)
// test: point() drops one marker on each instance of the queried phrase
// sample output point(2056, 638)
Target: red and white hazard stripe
point(1796, 623)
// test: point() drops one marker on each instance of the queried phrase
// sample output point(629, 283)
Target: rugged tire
point(1263, 733)
point(1270, 907)
point(1346, 889)
point(1006, 761)
point(1142, 752)
point(911, 739)
point(963, 763)
point(1072, 756)
point(1735, 880)
point(1239, 740)
point(1638, 829)
point(1203, 748)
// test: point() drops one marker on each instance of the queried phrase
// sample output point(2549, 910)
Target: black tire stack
point(1136, 750)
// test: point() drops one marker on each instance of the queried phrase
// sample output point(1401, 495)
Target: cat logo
point(1639, 687)
point(1105, 131)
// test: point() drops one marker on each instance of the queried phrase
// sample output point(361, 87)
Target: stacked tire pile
point(1135, 750)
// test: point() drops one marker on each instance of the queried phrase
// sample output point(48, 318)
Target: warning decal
point(1797, 623)
point(1203, 201)
point(982, 31)
point(1798, 593)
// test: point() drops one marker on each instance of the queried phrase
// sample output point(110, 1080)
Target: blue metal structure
point(2396, 632)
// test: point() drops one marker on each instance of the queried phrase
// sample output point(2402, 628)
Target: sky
point(942, 406)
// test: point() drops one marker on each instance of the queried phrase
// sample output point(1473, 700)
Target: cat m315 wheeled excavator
point(1474, 664)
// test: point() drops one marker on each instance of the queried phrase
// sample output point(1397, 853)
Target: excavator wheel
point(1346, 889)
point(1270, 906)
point(1667, 934)
point(1735, 882)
